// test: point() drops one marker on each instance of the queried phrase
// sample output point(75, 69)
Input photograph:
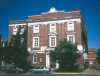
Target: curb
point(79, 73)
point(65, 73)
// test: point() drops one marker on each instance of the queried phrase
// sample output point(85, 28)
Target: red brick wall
point(30, 38)
point(78, 33)
point(61, 31)
point(10, 33)
point(44, 35)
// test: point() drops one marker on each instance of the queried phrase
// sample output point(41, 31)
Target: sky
point(20, 9)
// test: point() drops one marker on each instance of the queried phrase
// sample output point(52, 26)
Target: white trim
point(43, 48)
point(52, 10)
point(55, 21)
point(49, 49)
point(16, 24)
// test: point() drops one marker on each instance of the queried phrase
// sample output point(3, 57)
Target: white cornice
point(55, 21)
point(17, 24)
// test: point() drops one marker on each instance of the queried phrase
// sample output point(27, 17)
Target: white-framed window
point(52, 41)
point(35, 58)
point(70, 26)
point(22, 30)
point(35, 42)
point(71, 38)
point(52, 28)
point(15, 29)
point(36, 28)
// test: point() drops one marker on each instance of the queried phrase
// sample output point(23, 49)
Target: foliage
point(20, 53)
point(16, 52)
point(66, 55)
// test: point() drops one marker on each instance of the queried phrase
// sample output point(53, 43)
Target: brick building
point(91, 56)
point(47, 29)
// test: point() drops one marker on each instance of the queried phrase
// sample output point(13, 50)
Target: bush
point(69, 69)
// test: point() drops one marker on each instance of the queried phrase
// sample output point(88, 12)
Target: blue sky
point(20, 9)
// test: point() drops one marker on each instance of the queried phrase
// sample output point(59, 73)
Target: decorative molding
point(55, 21)
point(17, 24)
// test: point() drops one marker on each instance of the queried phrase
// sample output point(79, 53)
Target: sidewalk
point(64, 73)
point(87, 71)
point(91, 72)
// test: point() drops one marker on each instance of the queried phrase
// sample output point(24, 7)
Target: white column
point(47, 60)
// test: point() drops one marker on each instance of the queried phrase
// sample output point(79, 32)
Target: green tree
point(98, 56)
point(66, 55)
point(0, 50)
point(19, 53)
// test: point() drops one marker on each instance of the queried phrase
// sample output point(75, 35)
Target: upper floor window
point(52, 28)
point(15, 29)
point(70, 26)
point(35, 28)
point(52, 41)
point(71, 38)
point(35, 42)
point(22, 30)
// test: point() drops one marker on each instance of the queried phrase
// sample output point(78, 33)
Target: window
point(35, 42)
point(52, 41)
point(35, 58)
point(70, 26)
point(71, 38)
point(52, 28)
point(15, 28)
point(35, 28)
point(22, 30)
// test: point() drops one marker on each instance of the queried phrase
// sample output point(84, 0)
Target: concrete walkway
point(65, 73)
point(87, 72)
point(91, 72)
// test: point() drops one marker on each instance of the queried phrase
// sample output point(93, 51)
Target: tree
point(0, 50)
point(19, 53)
point(98, 56)
point(66, 55)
